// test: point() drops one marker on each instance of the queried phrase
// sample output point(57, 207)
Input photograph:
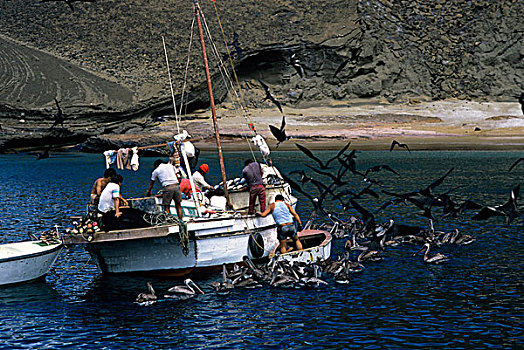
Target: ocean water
point(475, 301)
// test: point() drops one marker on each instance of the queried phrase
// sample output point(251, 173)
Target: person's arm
point(124, 201)
point(151, 183)
point(268, 210)
point(117, 207)
point(294, 213)
point(94, 190)
point(204, 184)
point(99, 188)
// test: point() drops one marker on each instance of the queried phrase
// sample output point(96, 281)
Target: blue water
point(474, 301)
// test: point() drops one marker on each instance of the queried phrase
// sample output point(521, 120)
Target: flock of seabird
point(366, 240)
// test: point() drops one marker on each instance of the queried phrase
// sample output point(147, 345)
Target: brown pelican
point(224, 286)
point(315, 280)
point(369, 255)
point(147, 297)
point(248, 283)
point(435, 259)
point(190, 289)
point(462, 239)
point(343, 274)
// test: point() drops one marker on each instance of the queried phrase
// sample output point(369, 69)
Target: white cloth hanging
point(259, 141)
point(110, 158)
point(134, 159)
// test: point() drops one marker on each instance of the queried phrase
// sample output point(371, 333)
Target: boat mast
point(211, 100)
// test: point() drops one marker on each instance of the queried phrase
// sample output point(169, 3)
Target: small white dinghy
point(316, 244)
point(26, 261)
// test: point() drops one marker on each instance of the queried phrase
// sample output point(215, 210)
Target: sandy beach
point(446, 125)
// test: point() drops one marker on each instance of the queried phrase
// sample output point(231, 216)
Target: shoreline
point(368, 125)
point(443, 143)
point(373, 125)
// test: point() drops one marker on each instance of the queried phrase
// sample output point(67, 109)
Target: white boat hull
point(211, 244)
point(313, 253)
point(26, 261)
point(225, 239)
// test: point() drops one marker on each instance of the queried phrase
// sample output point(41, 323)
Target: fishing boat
point(213, 232)
point(27, 261)
point(316, 248)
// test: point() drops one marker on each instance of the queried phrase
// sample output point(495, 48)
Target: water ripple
point(474, 301)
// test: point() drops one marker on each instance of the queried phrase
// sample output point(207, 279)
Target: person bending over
point(100, 184)
point(165, 173)
point(252, 172)
point(198, 177)
point(283, 213)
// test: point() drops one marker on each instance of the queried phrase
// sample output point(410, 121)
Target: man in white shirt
point(165, 173)
point(110, 196)
point(116, 215)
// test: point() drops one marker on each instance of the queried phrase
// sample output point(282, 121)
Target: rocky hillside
point(104, 60)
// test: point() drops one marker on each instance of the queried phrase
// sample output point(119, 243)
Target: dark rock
point(104, 61)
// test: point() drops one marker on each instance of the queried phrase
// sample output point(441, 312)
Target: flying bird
point(303, 177)
point(509, 209)
point(294, 61)
point(59, 116)
point(428, 191)
point(367, 218)
point(269, 96)
point(377, 168)
point(315, 201)
point(337, 180)
point(323, 165)
point(396, 143)
point(280, 134)
point(515, 164)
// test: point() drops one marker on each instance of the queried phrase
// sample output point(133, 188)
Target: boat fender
point(256, 245)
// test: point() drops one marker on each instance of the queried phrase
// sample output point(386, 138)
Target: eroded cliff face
point(105, 62)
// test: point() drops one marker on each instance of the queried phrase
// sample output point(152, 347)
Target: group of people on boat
point(115, 213)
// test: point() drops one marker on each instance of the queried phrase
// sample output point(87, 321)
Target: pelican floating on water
point(190, 289)
point(435, 259)
point(147, 298)
point(224, 286)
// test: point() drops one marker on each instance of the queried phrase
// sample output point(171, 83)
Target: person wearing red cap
point(198, 177)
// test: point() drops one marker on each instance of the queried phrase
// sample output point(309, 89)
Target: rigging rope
point(171, 86)
point(187, 65)
point(231, 60)
point(223, 72)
